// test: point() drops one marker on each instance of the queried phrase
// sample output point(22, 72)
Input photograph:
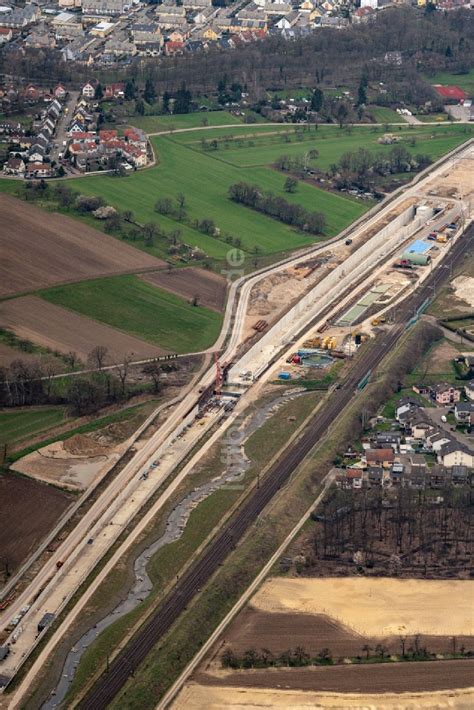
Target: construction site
point(302, 318)
point(413, 238)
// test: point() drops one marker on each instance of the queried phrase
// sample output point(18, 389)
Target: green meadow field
point(247, 153)
point(198, 119)
point(129, 304)
point(204, 179)
point(265, 145)
point(186, 165)
point(16, 426)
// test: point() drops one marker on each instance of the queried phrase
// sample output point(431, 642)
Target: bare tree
point(403, 640)
point(50, 369)
point(153, 371)
point(97, 356)
point(381, 650)
point(122, 371)
point(71, 358)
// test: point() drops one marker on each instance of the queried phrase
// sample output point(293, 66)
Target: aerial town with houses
point(69, 139)
point(108, 32)
point(423, 446)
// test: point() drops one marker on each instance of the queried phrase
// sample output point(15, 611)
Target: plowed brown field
point(210, 288)
point(28, 510)
point(40, 249)
point(375, 678)
point(8, 354)
point(60, 329)
point(279, 632)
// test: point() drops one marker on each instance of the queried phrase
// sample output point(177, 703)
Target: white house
point(454, 454)
point(88, 90)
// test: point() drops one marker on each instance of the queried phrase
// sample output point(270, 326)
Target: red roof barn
point(452, 93)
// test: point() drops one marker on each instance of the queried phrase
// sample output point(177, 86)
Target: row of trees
point(410, 649)
point(264, 658)
point(277, 207)
point(41, 381)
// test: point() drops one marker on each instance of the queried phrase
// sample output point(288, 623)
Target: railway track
point(128, 660)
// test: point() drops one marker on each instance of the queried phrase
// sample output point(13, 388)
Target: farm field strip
point(331, 143)
point(28, 511)
point(59, 249)
point(198, 119)
point(209, 287)
point(18, 425)
point(60, 329)
point(422, 677)
point(129, 304)
point(376, 606)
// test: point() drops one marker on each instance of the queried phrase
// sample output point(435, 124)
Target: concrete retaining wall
point(325, 293)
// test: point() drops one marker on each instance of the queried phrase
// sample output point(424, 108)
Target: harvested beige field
point(40, 249)
point(59, 329)
point(441, 356)
point(377, 606)
point(210, 288)
point(197, 697)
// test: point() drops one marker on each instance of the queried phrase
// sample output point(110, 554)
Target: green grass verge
point(163, 567)
point(16, 426)
point(382, 114)
point(131, 305)
point(267, 440)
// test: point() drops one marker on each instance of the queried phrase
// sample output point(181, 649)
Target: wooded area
point(428, 42)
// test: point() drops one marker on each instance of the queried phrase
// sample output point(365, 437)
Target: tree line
point(409, 650)
point(42, 380)
point(277, 207)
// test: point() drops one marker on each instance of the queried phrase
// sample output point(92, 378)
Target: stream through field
point(175, 526)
